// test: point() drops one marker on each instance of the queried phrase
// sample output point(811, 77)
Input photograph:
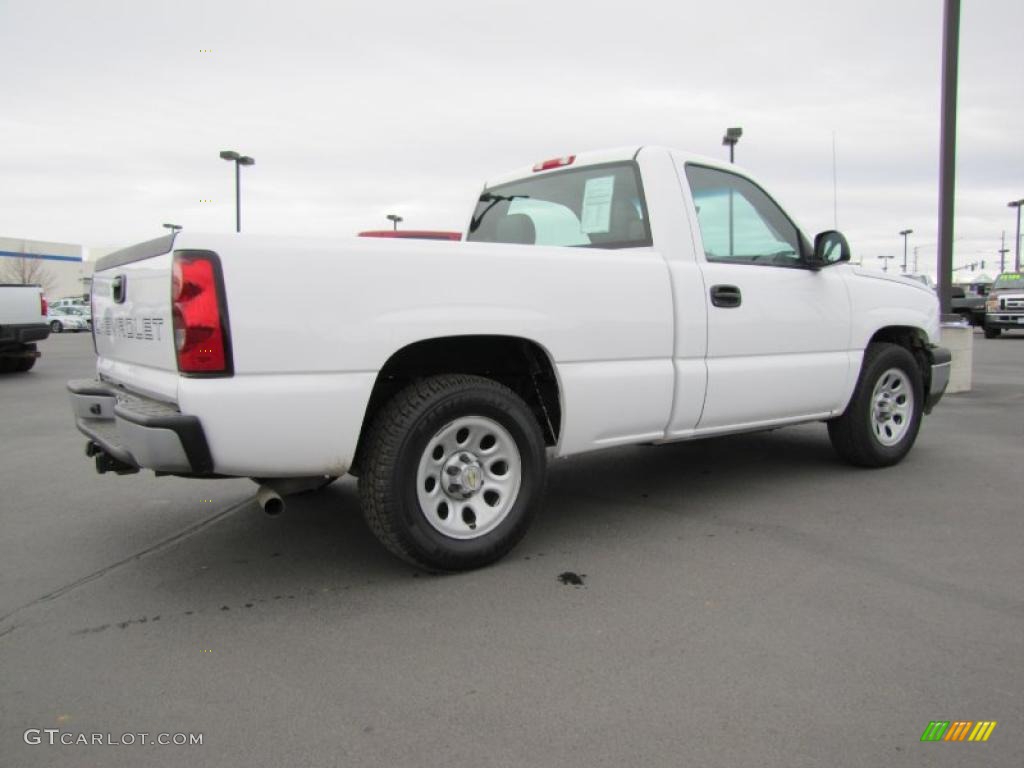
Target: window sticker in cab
point(597, 205)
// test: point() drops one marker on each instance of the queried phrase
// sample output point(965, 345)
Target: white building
point(59, 267)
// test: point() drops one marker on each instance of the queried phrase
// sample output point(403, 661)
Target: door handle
point(726, 296)
point(118, 289)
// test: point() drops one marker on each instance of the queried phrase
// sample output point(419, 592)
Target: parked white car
point(636, 295)
point(68, 318)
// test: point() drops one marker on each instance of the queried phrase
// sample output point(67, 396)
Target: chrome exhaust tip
point(269, 500)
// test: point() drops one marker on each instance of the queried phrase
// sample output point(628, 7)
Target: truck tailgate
point(20, 305)
point(131, 295)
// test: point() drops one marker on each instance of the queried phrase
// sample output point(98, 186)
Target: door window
point(740, 223)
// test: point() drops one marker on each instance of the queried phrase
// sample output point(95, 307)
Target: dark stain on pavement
point(570, 578)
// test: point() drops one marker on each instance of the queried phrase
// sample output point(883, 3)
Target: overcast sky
point(112, 114)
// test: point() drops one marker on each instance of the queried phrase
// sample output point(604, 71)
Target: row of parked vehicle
point(993, 306)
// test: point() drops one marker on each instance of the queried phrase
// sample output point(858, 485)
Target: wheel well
point(915, 341)
point(904, 335)
point(520, 364)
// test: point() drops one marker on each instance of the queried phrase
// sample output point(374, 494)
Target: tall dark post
point(1016, 263)
point(905, 233)
point(238, 160)
point(732, 135)
point(238, 199)
point(947, 162)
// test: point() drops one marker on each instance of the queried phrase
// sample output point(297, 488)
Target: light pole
point(1017, 204)
point(947, 153)
point(732, 136)
point(905, 232)
point(885, 262)
point(394, 219)
point(173, 227)
point(239, 161)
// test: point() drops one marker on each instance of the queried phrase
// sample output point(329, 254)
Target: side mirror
point(830, 247)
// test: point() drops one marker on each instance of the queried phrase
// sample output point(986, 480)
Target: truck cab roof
point(611, 155)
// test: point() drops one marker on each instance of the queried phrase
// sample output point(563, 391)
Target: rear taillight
point(199, 314)
point(44, 308)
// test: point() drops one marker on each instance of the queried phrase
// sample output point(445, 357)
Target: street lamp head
point(172, 227)
point(1015, 203)
point(227, 154)
point(732, 135)
point(394, 217)
point(246, 160)
point(905, 232)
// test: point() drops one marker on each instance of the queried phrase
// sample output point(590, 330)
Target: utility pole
point(915, 259)
point(1002, 254)
point(1017, 204)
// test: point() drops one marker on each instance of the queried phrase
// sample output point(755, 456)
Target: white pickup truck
point(636, 295)
point(22, 323)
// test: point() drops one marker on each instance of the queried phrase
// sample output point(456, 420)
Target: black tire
point(56, 327)
point(853, 434)
point(992, 333)
point(23, 364)
point(395, 444)
point(8, 364)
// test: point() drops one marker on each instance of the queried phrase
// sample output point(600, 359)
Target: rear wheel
point(22, 364)
point(453, 473)
point(879, 426)
point(56, 327)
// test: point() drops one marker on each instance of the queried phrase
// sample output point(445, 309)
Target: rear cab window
point(595, 206)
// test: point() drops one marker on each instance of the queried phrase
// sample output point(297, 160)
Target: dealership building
point(61, 268)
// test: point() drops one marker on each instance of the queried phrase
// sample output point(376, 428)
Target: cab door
point(778, 331)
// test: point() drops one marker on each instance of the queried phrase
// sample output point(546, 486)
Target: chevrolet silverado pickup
point(22, 323)
point(638, 295)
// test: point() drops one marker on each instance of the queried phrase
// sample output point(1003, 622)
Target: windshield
point(1009, 280)
point(600, 206)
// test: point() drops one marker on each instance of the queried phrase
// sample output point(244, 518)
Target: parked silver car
point(69, 319)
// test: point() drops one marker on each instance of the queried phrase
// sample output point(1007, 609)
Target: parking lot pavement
point(740, 601)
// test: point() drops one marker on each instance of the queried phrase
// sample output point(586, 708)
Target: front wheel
point(56, 327)
point(992, 333)
point(879, 426)
point(453, 472)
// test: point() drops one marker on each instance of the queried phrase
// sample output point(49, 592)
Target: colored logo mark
point(959, 730)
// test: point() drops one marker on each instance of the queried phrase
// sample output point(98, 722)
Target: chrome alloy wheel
point(892, 406)
point(469, 477)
